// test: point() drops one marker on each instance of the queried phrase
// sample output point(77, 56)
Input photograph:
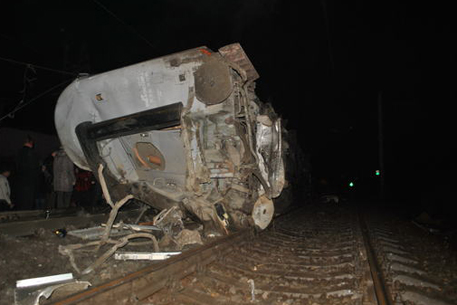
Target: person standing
point(83, 190)
point(40, 198)
point(64, 178)
point(48, 173)
point(26, 175)
point(5, 191)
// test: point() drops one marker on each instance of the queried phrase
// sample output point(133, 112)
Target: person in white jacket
point(5, 191)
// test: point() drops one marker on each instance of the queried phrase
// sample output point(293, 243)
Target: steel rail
point(383, 294)
point(140, 284)
point(24, 227)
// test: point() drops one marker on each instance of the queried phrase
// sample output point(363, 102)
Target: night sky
point(323, 65)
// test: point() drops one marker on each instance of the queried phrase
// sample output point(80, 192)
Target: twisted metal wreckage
point(186, 131)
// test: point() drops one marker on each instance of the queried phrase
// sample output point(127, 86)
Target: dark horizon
point(323, 65)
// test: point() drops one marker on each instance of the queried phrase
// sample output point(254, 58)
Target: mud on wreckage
point(184, 131)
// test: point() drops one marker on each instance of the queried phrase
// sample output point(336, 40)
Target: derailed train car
point(183, 130)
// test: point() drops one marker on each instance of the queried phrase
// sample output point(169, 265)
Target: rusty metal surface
point(417, 267)
point(235, 53)
point(213, 83)
point(139, 285)
point(323, 254)
point(304, 258)
point(379, 284)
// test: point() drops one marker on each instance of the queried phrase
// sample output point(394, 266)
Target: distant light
point(377, 172)
point(351, 184)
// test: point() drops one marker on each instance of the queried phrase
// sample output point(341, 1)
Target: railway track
point(23, 223)
point(300, 260)
point(418, 269)
point(329, 255)
point(28, 215)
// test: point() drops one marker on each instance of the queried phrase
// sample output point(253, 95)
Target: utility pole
point(329, 40)
point(381, 148)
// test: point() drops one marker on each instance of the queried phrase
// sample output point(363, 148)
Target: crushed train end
point(185, 130)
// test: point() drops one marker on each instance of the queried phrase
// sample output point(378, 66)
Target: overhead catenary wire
point(22, 104)
point(125, 24)
point(18, 62)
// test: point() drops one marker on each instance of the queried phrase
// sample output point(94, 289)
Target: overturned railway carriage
point(185, 130)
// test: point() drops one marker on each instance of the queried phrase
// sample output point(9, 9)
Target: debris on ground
point(153, 256)
point(85, 250)
point(169, 221)
point(92, 233)
point(425, 218)
point(45, 280)
point(106, 234)
point(188, 237)
point(29, 291)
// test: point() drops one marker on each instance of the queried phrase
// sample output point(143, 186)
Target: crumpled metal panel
point(234, 53)
point(220, 152)
point(269, 149)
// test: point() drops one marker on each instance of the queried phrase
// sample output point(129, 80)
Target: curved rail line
point(308, 257)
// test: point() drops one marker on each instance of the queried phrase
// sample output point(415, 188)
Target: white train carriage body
point(183, 130)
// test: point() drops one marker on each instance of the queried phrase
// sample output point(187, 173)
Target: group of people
point(53, 183)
